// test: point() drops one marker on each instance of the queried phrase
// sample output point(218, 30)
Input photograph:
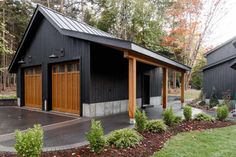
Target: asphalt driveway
point(12, 118)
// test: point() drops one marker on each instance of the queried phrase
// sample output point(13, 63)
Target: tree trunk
point(48, 2)
point(61, 6)
point(4, 54)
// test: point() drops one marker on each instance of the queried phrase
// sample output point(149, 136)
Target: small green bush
point(178, 119)
point(96, 136)
point(169, 117)
point(141, 120)
point(156, 126)
point(203, 117)
point(187, 113)
point(29, 143)
point(213, 99)
point(124, 138)
point(222, 112)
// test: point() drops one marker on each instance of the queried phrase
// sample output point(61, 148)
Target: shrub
point(96, 136)
point(168, 116)
point(222, 112)
point(29, 143)
point(178, 119)
point(124, 138)
point(141, 120)
point(156, 126)
point(203, 117)
point(187, 113)
point(213, 99)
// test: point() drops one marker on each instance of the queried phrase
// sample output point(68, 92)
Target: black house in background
point(219, 73)
point(68, 66)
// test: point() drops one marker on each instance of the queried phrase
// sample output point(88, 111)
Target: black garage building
point(68, 66)
point(219, 73)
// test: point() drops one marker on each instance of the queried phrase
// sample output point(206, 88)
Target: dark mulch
point(151, 143)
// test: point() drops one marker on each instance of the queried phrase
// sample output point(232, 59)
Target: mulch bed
point(151, 143)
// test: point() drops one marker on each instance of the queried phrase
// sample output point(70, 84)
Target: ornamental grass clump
point(169, 117)
point(141, 120)
point(187, 113)
point(156, 126)
point(96, 136)
point(222, 112)
point(30, 142)
point(124, 138)
point(203, 117)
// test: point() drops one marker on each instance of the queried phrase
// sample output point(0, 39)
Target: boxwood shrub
point(222, 112)
point(124, 138)
point(30, 142)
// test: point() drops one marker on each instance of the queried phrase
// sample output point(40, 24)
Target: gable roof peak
point(62, 21)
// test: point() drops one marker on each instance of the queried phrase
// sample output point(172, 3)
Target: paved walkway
point(73, 134)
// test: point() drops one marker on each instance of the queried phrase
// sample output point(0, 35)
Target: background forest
point(175, 28)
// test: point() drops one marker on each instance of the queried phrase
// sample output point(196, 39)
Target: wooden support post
point(132, 89)
point(182, 88)
point(165, 88)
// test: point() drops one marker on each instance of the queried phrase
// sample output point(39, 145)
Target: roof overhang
point(219, 62)
point(128, 46)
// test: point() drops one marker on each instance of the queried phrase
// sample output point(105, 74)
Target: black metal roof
point(219, 46)
point(70, 27)
point(219, 62)
point(67, 23)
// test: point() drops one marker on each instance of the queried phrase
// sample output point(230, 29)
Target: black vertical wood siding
point(109, 75)
point(222, 77)
point(46, 40)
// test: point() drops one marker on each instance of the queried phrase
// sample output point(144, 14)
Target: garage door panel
point(66, 86)
point(33, 87)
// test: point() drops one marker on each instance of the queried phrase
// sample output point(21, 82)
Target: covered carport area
point(158, 61)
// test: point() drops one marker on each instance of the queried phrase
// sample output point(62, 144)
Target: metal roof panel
point(68, 23)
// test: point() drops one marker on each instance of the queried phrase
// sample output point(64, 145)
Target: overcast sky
point(226, 28)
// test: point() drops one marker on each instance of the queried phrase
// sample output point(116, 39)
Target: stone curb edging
point(47, 149)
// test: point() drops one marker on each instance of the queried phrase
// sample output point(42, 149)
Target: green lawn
point(7, 96)
point(211, 143)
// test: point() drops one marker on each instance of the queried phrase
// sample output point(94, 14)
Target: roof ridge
point(220, 45)
point(76, 20)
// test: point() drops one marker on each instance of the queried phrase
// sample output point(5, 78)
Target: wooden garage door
point(66, 87)
point(33, 87)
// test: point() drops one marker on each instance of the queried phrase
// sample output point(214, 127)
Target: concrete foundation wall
point(113, 107)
